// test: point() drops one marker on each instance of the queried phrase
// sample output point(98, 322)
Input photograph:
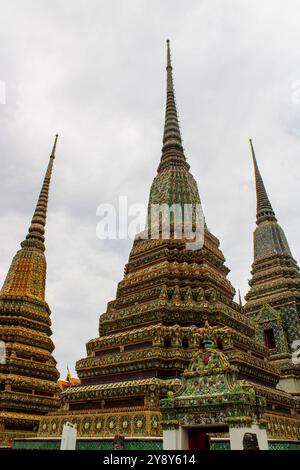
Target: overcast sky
point(94, 72)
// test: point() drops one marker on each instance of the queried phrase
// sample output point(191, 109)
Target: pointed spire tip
point(172, 136)
point(264, 210)
point(169, 65)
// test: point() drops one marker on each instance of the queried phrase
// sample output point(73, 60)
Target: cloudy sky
point(94, 71)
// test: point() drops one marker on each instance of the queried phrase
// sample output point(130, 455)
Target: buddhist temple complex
point(68, 382)
point(177, 363)
point(28, 374)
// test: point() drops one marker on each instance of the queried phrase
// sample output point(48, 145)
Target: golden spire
point(35, 237)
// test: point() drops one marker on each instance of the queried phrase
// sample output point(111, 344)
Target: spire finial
point(68, 378)
point(264, 207)
point(35, 237)
point(172, 137)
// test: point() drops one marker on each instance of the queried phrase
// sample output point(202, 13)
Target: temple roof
point(29, 373)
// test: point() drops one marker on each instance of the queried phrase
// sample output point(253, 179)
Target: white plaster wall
point(170, 440)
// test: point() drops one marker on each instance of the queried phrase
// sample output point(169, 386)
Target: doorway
point(197, 439)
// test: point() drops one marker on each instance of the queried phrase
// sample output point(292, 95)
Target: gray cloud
point(94, 72)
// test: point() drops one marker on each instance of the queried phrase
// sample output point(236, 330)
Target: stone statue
point(250, 441)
